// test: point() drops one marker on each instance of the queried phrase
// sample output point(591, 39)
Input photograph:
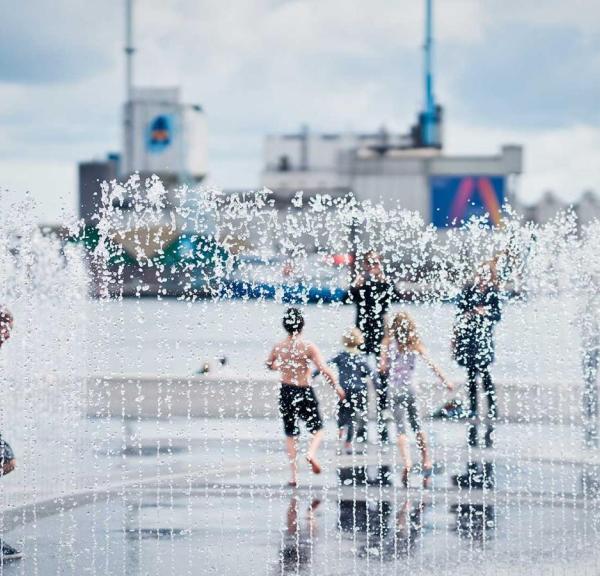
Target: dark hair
point(5, 316)
point(293, 321)
point(369, 256)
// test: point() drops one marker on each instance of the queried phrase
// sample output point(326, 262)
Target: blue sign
point(455, 199)
point(160, 133)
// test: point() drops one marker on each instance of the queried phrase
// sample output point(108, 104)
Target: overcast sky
point(508, 71)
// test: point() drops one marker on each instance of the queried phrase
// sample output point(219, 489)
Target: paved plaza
point(210, 497)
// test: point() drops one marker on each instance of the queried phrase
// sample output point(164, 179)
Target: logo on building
point(455, 199)
point(160, 133)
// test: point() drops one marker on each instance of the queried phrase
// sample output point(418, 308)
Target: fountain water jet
point(181, 463)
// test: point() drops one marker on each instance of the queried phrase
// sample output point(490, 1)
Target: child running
point(354, 373)
point(400, 350)
point(292, 357)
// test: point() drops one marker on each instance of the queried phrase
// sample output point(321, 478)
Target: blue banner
point(455, 199)
point(160, 133)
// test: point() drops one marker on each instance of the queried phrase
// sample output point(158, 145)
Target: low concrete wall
point(150, 397)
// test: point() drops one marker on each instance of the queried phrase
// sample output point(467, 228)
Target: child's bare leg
point(405, 455)
point(315, 442)
point(404, 450)
point(425, 458)
point(343, 436)
point(424, 448)
point(8, 466)
point(313, 446)
point(291, 444)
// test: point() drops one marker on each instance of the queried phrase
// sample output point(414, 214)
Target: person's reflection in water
point(409, 529)
point(402, 535)
point(298, 538)
point(386, 536)
point(365, 475)
point(475, 522)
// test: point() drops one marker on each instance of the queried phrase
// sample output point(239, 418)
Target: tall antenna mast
point(129, 49)
point(430, 116)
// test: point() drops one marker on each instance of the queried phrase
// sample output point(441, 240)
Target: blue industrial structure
point(430, 118)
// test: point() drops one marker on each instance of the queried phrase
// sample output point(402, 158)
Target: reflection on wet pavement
point(231, 516)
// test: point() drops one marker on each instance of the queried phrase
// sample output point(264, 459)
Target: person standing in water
point(401, 348)
point(473, 344)
point(372, 293)
point(292, 358)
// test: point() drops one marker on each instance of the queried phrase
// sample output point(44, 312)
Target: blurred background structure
point(162, 136)
point(63, 93)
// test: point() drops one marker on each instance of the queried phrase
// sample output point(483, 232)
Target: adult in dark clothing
point(372, 293)
point(478, 313)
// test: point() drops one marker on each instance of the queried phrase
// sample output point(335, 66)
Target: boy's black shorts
point(296, 402)
point(6, 452)
point(353, 407)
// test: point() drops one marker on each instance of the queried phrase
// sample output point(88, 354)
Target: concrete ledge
point(152, 397)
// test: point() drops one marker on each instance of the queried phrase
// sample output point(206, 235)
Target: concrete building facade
point(164, 136)
point(384, 168)
point(161, 135)
point(91, 176)
point(586, 208)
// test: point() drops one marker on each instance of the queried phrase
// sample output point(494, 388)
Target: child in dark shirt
point(354, 373)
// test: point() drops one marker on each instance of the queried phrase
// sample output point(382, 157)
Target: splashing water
point(147, 428)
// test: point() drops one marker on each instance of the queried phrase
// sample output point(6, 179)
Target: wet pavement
point(210, 497)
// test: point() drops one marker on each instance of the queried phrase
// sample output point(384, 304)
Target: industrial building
point(91, 174)
point(407, 170)
point(393, 170)
point(586, 208)
point(162, 135)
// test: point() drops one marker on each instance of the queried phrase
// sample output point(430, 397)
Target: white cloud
point(268, 65)
point(583, 15)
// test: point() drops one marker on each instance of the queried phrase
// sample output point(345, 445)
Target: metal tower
point(430, 128)
point(129, 49)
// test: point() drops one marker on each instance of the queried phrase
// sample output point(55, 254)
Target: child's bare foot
point(316, 468)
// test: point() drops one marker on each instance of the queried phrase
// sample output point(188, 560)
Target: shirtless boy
point(292, 358)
